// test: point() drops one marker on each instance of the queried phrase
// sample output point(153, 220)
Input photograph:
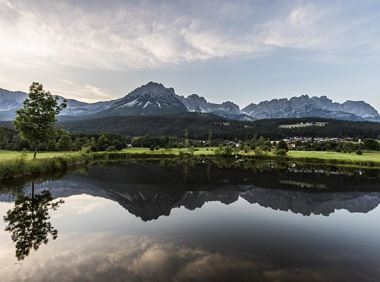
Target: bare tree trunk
point(35, 152)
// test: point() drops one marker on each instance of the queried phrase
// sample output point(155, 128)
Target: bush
point(358, 152)
point(228, 151)
point(280, 152)
point(259, 151)
point(282, 145)
point(371, 144)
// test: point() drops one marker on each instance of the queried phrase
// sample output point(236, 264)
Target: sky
point(243, 51)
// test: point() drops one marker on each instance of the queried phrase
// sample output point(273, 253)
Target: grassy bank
point(17, 164)
point(371, 159)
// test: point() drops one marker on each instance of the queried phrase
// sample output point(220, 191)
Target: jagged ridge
point(155, 99)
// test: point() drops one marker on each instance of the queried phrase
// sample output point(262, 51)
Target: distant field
point(10, 155)
point(199, 151)
point(366, 157)
point(344, 157)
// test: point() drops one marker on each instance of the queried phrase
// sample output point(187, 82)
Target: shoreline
point(20, 165)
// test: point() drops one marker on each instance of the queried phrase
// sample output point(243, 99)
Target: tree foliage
point(36, 119)
point(282, 145)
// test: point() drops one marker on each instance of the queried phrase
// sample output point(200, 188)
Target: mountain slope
point(149, 99)
point(228, 110)
point(199, 126)
point(11, 101)
point(304, 106)
point(156, 99)
point(195, 103)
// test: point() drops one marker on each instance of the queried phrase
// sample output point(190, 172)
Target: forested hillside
point(200, 125)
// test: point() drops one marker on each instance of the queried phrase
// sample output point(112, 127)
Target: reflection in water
point(153, 189)
point(195, 221)
point(29, 221)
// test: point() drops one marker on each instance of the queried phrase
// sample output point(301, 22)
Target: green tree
point(3, 138)
point(187, 142)
point(209, 138)
point(348, 147)
point(51, 145)
point(117, 144)
point(280, 152)
point(103, 143)
point(282, 145)
point(36, 119)
point(371, 144)
point(228, 151)
point(65, 143)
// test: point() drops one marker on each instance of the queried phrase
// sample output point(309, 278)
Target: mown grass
point(11, 155)
point(322, 155)
point(348, 157)
point(16, 164)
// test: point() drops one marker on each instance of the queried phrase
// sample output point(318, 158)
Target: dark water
point(199, 221)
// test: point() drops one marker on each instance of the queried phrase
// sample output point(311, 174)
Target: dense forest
point(200, 125)
point(197, 130)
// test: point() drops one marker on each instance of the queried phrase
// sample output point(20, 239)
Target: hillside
point(199, 126)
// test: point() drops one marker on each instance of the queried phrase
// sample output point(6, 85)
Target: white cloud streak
point(86, 92)
point(152, 34)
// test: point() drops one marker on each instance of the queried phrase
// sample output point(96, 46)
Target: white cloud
point(86, 92)
point(153, 34)
point(97, 44)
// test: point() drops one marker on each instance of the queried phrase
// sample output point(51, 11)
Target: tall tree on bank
point(36, 119)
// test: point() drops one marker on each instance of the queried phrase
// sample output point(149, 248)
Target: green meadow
point(16, 164)
point(325, 155)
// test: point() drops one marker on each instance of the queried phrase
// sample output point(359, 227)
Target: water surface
point(199, 221)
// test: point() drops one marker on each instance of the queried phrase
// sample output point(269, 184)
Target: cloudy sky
point(245, 51)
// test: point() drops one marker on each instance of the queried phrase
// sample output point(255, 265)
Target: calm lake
point(192, 221)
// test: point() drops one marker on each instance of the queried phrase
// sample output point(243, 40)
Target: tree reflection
point(29, 221)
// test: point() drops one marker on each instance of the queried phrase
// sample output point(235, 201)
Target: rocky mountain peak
point(152, 89)
point(154, 98)
point(305, 106)
point(150, 99)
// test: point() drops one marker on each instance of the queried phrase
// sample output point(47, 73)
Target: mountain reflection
point(152, 189)
point(150, 206)
point(29, 221)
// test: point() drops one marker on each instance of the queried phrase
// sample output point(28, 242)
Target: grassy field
point(11, 155)
point(12, 165)
point(175, 151)
point(347, 157)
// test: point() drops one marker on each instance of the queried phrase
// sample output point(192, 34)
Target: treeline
point(338, 146)
point(199, 126)
point(63, 140)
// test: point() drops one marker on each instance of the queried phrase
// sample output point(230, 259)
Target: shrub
point(259, 151)
point(280, 152)
point(282, 145)
point(228, 151)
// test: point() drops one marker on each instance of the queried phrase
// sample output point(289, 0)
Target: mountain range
point(156, 99)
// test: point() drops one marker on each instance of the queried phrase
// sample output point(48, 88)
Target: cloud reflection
point(119, 257)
